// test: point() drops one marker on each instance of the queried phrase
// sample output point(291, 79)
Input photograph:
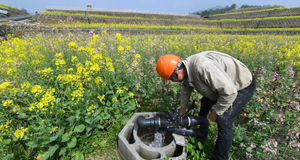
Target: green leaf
point(249, 149)
point(72, 143)
point(45, 156)
point(108, 103)
point(200, 146)
point(189, 147)
point(239, 138)
point(71, 120)
point(62, 151)
point(88, 130)
point(52, 149)
point(6, 141)
point(129, 108)
point(79, 128)
point(288, 114)
point(110, 92)
point(54, 138)
point(9, 157)
point(68, 103)
point(32, 144)
point(22, 115)
point(192, 140)
point(125, 120)
point(57, 101)
point(88, 120)
point(99, 126)
point(65, 137)
point(96, 119)
point(44, 140)
point(107, 116)
point(77, 156)
point(102, 144)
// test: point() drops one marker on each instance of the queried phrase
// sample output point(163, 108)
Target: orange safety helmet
point(166, 65)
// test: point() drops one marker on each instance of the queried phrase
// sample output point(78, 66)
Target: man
point(225, 83)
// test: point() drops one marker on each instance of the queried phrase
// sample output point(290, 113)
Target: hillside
point(13, 11)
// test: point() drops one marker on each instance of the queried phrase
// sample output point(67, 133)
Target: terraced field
point(276, 20)
point(70, 81)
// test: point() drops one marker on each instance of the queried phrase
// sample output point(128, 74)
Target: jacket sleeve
point(185, 94)
point(218, 80)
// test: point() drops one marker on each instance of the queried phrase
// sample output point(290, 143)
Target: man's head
point(168, 66)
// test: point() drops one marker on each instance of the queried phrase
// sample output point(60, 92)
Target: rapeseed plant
point(19, 133)
point(52, 84)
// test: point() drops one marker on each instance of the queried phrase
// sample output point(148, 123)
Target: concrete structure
point(132, 143)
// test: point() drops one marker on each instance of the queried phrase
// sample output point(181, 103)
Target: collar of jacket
point(189, 78)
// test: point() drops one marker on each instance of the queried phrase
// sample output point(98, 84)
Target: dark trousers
point(225, 121)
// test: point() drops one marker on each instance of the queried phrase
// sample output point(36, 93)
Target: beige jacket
point(214, 75)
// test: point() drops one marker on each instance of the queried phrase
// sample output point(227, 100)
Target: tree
point(233, 6)
point(216, 11)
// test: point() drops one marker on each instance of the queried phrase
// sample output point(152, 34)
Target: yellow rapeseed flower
point(131, 95)
point(54, 129)
point(48, 98)
point(135, 63)
point(98, 80)
point(104, 33)
point(7, 103)
point(101, 98)
point(120, 49)
point(70, 70)
point(119, 90)
point(138, 57)
point(74, 59)
point(97, 57)
point(60, 62)
point(109, 64)
point(16, 108)
point(128, 48)
point(19, 133)
point(77, 94)
point(119, 37)
point(81, 49)
point(36, 89)
point(73, 45)
point(31, 107)
point(115, 99)
point(4, 85)
point(68, 78)
point(47, 72)
point(25, 85)
point(95, 67)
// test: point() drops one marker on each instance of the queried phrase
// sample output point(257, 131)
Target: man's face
point(174, 77)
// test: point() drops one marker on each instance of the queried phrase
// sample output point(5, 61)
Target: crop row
point(182, 19)
point(254, 8)
point(127, 14)
point(117, 16)
point(20, 30)
point(267, 23)
point(259, 14)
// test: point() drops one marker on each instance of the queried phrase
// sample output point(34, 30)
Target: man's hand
point(182, 111)
point(212, 116)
